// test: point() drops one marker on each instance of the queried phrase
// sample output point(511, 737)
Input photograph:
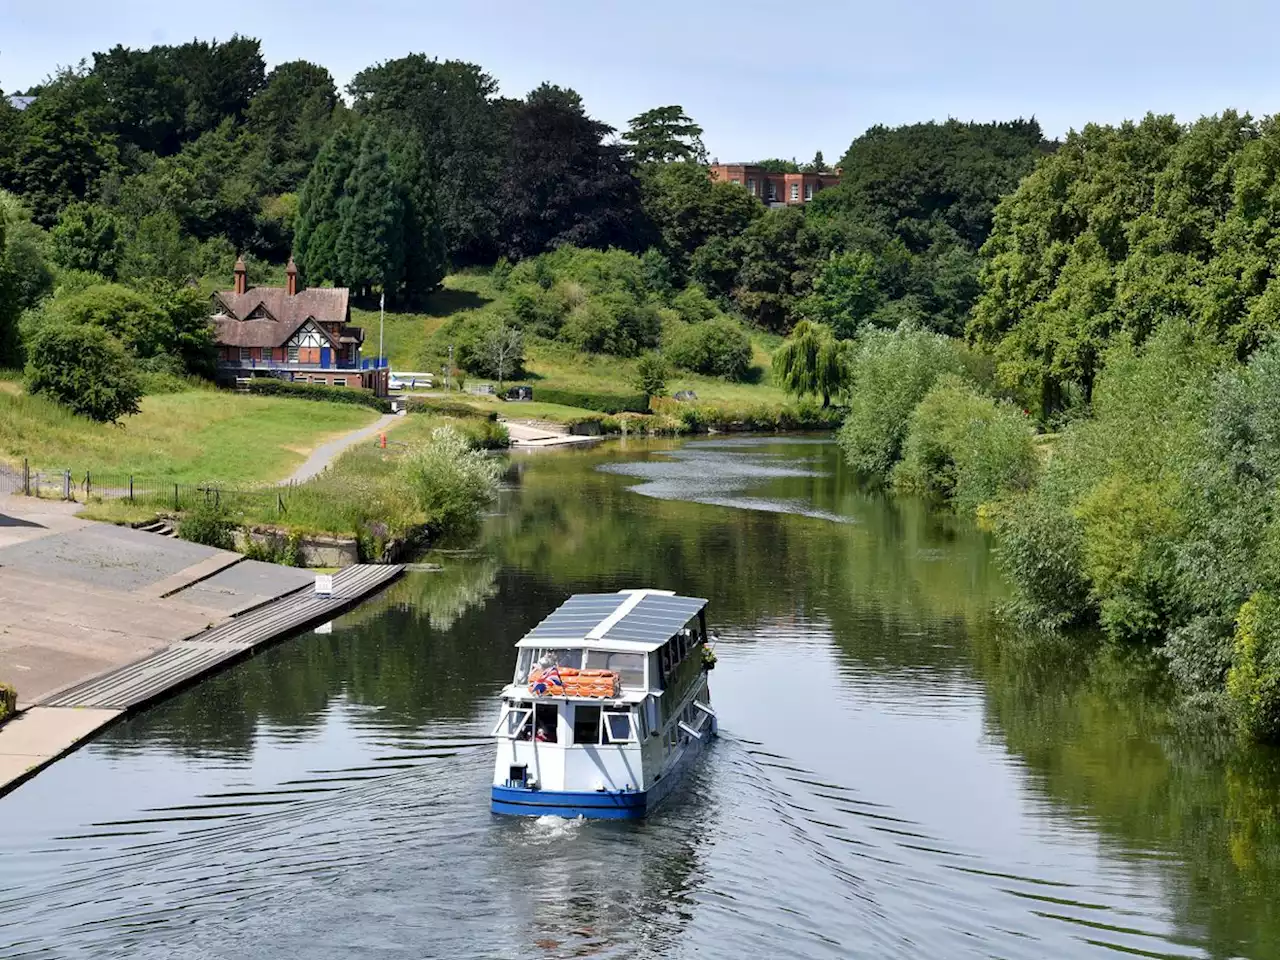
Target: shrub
point(210, 524)
point(8, 701)
point(450, 481)
point(718, 348)
point(890, 373)
point(965, 447)
point(694, 306)
point(613, 323)
point(273, 387)
point(604, 402)
point(1041, 545)
point(84, 368)
point(651, 375)
point(1253, 683)
point(451, 408)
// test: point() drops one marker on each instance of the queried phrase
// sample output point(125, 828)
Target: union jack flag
point(547, 679)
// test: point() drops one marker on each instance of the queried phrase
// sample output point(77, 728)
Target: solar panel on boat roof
point(578, 615)
point(653, 619)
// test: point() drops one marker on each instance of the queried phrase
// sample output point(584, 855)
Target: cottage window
point(246, 354)
point(293, 353)
point(795, 192)
point(339, 381)
point(268, 354)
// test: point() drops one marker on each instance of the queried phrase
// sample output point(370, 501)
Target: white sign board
point(324, 584)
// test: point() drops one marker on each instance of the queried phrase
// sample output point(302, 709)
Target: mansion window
point(795, 192)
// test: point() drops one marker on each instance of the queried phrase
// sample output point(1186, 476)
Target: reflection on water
point(895, 780)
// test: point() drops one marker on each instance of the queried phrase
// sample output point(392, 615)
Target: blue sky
point(764, 79)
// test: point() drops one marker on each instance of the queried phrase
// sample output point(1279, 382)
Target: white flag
point(382, 301)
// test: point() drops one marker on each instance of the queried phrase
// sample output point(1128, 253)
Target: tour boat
point(608, 708)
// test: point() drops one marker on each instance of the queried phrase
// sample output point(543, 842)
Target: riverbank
point(98, 620)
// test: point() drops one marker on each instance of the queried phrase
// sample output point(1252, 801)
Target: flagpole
point(382, 304)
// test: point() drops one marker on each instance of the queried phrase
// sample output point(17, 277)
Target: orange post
point(382, 440)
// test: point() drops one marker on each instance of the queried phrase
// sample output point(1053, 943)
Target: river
point(898, 775)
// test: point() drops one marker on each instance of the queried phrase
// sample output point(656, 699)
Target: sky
point(763, 79)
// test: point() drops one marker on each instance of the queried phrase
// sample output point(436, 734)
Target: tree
point(451, 108)
point(818, 165)
point(83, 368)
point(157, 249)
point(652, 372)
point(664, 135)
point(503, 350)
point(845, 294)
point(563, 184)
point(88, 237)
point(292, 116)
point(370, 247)
point(689, 209)
point(774, 165)
point(316, 234)
point(775, 256)
point(809, 361)
point(62, 148)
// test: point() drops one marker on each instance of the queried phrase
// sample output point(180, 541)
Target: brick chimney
point(291, 278)
point(242, 277)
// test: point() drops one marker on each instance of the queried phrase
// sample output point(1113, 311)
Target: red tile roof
point(268, 316)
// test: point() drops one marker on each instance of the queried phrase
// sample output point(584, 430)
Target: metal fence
point(84, 486)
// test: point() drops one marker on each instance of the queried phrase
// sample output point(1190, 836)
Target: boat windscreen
point(628, 666)
point(556, 657)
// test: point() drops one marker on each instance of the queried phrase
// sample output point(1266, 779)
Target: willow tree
point(810, 361)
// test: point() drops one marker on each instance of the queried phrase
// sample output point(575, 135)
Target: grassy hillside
point(188, 437)
point(548, 363)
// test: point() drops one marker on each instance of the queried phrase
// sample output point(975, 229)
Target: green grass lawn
point(405, 333)
point(188, 437)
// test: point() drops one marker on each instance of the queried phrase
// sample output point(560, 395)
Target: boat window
point(618, 726)
point(558, 657)
point(523, 660)
point(628, 666)
point(586, 724)
point(516, 722)
point(546, 721)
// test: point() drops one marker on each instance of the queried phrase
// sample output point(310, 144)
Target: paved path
point(326, 453)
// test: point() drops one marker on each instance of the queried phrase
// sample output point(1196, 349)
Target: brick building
point(291, 334)
point(775, 189)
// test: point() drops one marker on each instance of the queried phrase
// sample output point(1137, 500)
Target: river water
point(898, 777)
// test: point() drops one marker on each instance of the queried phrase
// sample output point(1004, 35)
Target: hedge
point(8, 701)
point(604, 402)
point(357, 396)
point(450, 408)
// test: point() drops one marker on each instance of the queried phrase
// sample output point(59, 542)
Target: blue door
point(325, 356)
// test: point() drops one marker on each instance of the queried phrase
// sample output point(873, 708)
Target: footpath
point(97, 621)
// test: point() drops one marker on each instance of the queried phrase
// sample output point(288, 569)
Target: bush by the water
point(889, 374)
point(450, 481)
point(965, 447)
point(715, 346)
point(209, 523)
point(84, 368)
point(357, 396)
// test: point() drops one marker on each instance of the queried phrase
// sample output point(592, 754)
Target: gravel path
point(326, 453)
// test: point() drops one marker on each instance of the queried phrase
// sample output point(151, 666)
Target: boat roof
point(637, 621)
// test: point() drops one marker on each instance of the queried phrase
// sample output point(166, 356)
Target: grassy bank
point(365, 494)
point(188, 437)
